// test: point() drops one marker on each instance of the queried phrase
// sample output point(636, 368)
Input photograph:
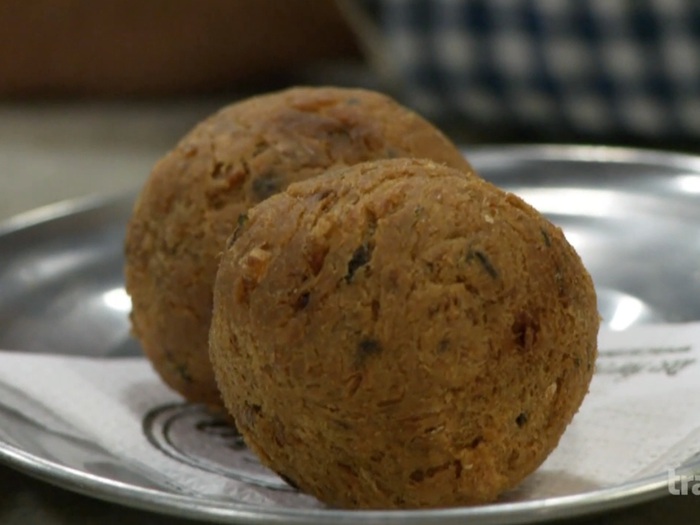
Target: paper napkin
point(114, 418)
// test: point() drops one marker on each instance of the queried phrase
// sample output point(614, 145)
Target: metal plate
point(633, 216)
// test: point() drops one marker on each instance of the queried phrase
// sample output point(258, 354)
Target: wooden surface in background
point(161, 47)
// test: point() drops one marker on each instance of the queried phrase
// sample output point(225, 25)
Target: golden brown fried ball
point(236, 158)
point(400, 334)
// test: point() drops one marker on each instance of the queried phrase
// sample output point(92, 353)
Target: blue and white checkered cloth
point(594, 67)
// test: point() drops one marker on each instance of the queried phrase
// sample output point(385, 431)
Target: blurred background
point(91, 93)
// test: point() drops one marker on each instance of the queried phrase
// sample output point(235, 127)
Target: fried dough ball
point(401, 334)
point(198, 192)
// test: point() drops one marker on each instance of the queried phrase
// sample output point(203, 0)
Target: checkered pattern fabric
point(598, 67)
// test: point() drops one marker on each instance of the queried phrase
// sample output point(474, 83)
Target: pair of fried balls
point(392, 333)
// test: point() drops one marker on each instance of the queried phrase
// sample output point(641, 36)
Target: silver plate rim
point(595, 501)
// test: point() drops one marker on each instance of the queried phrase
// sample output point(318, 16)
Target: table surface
point(54, 152)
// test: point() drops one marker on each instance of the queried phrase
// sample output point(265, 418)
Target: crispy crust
point(399, 334)
point(195, 195)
